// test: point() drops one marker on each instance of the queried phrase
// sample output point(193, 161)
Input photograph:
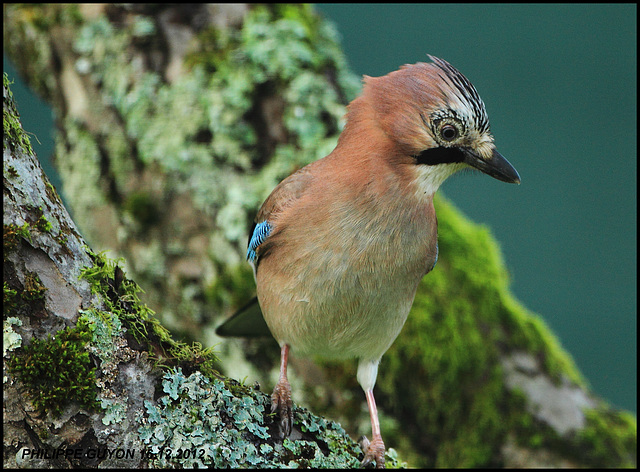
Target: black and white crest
point(465, 92)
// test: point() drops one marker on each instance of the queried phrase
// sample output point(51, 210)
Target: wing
point(259, 232)
point(248, 320)
point(284, 195)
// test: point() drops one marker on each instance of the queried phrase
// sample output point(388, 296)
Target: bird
point(339, 247)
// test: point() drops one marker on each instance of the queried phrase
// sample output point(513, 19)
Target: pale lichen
point(201, 423)
point(10, 339)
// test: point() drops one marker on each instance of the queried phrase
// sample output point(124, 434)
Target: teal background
point(560, 86)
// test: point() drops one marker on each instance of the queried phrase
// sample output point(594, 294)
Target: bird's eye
point(449, 132)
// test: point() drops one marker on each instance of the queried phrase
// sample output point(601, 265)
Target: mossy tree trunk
point(91, 378)
point(164, 117)
point(175, 122)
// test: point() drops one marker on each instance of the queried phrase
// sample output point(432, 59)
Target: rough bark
point(174, 123)
point(92, 379)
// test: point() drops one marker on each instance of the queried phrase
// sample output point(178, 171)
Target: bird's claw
point(281, 403)
point(373, 451)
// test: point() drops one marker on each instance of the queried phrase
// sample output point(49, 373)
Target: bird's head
point(433, 113)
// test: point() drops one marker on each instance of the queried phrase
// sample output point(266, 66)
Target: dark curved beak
point(496, 166)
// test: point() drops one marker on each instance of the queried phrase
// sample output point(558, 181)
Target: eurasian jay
point(339, 247)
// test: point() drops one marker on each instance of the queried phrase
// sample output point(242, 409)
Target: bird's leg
point(374, 450)
point(281, 396)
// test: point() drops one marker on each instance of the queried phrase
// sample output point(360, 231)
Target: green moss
point(42, 224)
point(195, 355)
point(57, 371)
point(609, 440)
point(521, 423)
point(123, 306)
point(33, 288)
point(9, 299)
point(12, 234)
point(12, 126)
point(121, 298)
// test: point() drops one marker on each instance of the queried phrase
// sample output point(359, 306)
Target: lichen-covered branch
point(91, 378)
point(165, 114)
point(175, 122)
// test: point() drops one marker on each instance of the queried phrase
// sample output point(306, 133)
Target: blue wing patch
point(260, 233)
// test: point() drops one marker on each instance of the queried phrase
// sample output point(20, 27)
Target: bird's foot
point(373, 451)
point(282, 404)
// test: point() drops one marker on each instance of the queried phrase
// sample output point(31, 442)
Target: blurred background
point(560, 86)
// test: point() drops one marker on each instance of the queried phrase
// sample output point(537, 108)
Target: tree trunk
point(92, 379)
point(175, 122)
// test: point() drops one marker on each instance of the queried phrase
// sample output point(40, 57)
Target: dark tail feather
point(247, 322)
